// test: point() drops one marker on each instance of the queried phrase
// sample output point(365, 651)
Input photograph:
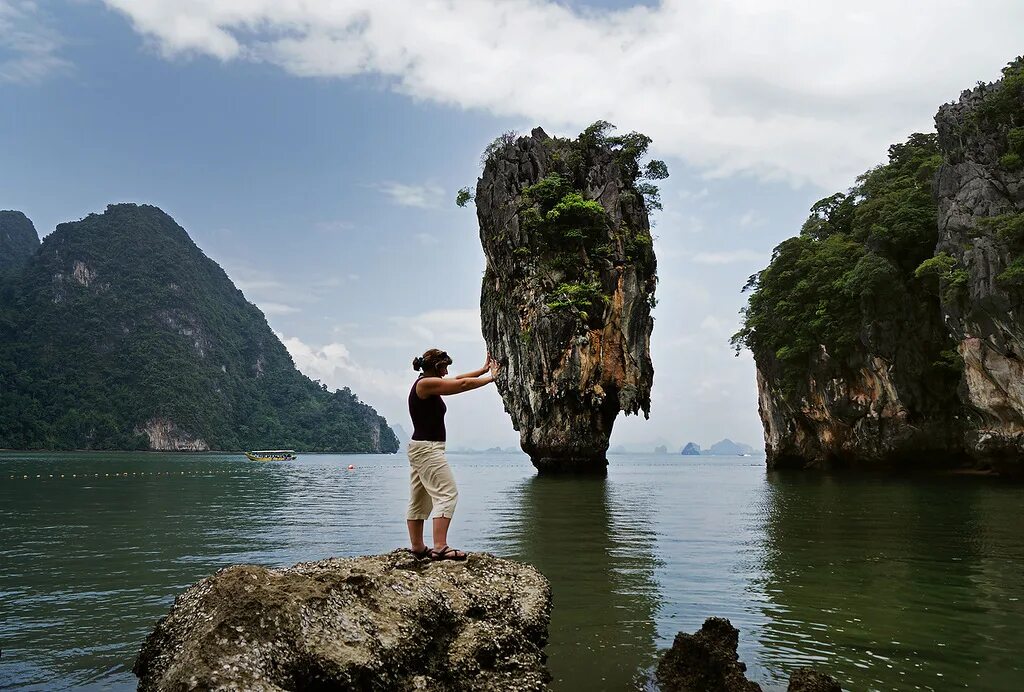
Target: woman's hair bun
point(417, 363)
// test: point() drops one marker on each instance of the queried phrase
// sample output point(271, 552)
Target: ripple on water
point(886, 583)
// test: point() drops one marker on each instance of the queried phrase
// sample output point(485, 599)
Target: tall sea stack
point(568, 289)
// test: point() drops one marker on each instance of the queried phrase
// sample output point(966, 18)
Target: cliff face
point(18, 239)
point(567, 292)
point(909, 349)
point(120, 333)
point(981, 226)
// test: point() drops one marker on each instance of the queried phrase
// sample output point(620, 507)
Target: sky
point(314, 149)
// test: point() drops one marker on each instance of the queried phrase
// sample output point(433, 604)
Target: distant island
point(117, 332)
point(724, 447)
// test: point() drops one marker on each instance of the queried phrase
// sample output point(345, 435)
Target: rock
point(978, 192)
point(705, 661)
point(691, 449)
point(931, 374)
point(810, 680)
point(18, 239)
point(727, 447)
point(385, 622)
point(567, 291)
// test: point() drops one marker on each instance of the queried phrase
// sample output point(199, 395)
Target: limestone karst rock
point(568, 288)
point(18, 239)
point(980, 193)
point(888, 333)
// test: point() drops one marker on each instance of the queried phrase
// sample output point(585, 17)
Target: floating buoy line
point(122, 474)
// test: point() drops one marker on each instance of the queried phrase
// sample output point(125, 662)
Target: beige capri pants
point(431, 481)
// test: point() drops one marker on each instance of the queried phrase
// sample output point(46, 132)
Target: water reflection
point(894, 584)
point(92, 561)
point(593, 542)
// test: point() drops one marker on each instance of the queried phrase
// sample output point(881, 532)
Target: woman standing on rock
point(432, 485)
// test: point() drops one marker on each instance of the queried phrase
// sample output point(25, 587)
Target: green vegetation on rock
point(567, 232)
point(120, 323)
point(857, 250)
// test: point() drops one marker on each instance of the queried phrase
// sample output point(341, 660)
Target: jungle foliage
point(856, 249)
point(120, 319)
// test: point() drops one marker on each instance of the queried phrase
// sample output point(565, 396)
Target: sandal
point(425, 553)
point(447, 553)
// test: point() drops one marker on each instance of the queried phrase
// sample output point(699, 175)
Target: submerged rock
point(568, 288)
point(810, 680)
point(706, 661)
point(385, 622)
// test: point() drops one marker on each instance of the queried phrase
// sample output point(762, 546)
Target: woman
point(432, 484)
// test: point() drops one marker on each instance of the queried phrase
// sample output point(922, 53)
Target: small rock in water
point(706, 661)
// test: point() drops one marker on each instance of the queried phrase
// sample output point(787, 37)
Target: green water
point(884, 583)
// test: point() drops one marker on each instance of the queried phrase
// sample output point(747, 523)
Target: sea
point(908, 582)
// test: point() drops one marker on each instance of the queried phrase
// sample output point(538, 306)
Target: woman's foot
point(447, 553)
point(421, 553)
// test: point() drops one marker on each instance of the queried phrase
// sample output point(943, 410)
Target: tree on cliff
point(856, 252)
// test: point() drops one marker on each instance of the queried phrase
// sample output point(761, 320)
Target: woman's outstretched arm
point(439, 385)
point(476, 373)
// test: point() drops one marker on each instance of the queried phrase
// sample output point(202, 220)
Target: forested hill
point(119, 333)
point(18, 239)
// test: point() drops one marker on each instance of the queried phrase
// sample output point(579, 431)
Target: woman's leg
point(416, 535)
point(420, 503)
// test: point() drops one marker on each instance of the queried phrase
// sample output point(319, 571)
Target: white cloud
point(750, 219)
point(333, 365)
point(447, 326)
point(427, 239)
point(786, 89)
point(428, 196)
point(731, 257)
point(28, 47)
point(334, 226)
point(277, 309)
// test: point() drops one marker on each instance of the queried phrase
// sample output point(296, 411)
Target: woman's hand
point(494, 367)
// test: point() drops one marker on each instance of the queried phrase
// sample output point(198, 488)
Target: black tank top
point(427, 416)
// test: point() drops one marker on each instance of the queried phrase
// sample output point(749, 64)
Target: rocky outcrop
point(165, 436)
point(706, 661)
point(981, 226)
point(18, 239)
point(859, 417)
point(930, 370)
point(567, 291)
point(386, 622)
point(691, 449)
